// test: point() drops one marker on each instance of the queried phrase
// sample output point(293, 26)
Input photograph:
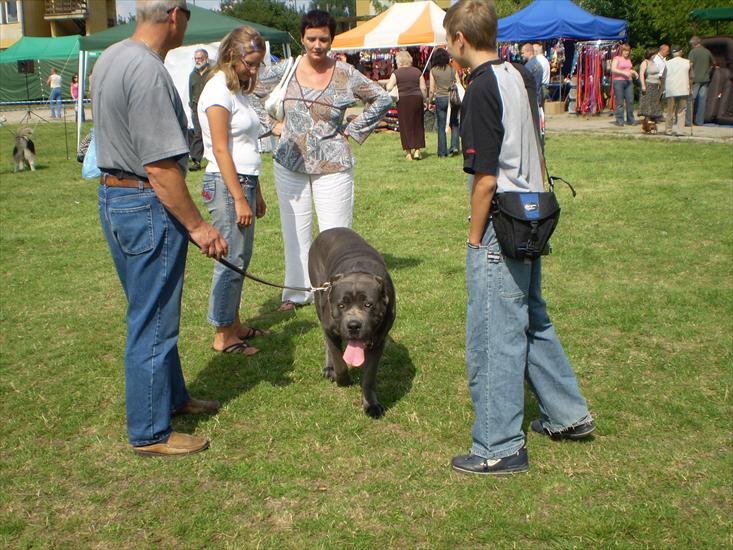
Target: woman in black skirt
point(412, 93)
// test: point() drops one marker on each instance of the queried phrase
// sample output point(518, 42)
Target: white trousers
point(333, 196)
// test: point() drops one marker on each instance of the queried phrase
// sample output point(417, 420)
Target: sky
point(127, 7)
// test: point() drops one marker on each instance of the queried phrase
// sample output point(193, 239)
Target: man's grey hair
point(203, 51)
point(695, 41)
point(156, 11)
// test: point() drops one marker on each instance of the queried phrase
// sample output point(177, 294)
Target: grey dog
point(24, 151)
point(356, 311)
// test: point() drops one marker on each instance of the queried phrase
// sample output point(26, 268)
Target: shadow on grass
point(395, 375)
point(395, 262)
point(227, 376)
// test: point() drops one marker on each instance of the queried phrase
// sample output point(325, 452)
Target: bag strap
point(534, 110)
point(291, 72)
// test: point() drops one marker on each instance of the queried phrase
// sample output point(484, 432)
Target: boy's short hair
point(476, 19)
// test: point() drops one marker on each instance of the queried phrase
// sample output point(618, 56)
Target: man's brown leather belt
point(111, 181)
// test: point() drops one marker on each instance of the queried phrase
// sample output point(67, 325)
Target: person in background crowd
point(532, 64)
point(623, 76)
point(442, 78)
point(148, 217)
point(676, 90)
point(54, 98)
point(540, 55)
point(410, 105)
point(313, 159)
point(74, 91)
point(230, 189)
point(702, 63)
point(650, 104)
point(509, 336)
point(660, 58)
point(196, 82)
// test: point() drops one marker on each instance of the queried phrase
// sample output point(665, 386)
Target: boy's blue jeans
point(441, 114)
point(509, 336)
point(148, 248)
point(226, 284)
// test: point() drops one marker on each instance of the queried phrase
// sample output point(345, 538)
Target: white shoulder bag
point(275, 102)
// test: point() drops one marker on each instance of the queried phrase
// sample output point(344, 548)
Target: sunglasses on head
point(185, 11)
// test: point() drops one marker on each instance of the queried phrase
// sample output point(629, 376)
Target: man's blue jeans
point(699, 97)
point(226, 284)
point(55, 102)
point(623, 91)
point(441, 114)
point(509, 336)
point(148, 248)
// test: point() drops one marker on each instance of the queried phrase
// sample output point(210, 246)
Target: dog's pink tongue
point(354, 353)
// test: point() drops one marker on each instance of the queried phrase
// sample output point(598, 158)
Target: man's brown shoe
point(198, 406)
point(177, 445)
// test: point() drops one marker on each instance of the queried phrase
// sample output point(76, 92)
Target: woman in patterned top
point(313, 158)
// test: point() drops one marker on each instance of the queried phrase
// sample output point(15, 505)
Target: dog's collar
point(324, 288)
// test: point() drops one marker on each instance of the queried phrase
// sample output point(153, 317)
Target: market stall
point(414, 26)
point(563, 26)
point(206, 28)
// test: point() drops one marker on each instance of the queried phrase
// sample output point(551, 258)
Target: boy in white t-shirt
point(230, 128)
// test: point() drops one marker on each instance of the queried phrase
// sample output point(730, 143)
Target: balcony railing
point(66, 9)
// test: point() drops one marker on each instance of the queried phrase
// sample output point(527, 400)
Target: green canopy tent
point(58, 53)
point(205, 26)
point(712, 14)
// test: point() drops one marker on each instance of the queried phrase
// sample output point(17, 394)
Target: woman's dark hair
point(315, 19)
point(650, 52)
point(440, 58)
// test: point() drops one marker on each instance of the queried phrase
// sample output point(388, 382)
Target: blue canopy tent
point(552, 19)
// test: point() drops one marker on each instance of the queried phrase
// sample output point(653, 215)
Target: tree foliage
point(337, 8)
point(267, 12)
point(653, 22)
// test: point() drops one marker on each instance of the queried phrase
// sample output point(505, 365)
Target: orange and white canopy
point(402, 25)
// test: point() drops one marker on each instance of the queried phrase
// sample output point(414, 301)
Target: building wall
point(32, 22)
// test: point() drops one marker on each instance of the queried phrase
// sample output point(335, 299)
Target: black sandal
point(254, 332)
point(239, 347)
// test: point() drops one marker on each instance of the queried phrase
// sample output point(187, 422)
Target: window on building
point(9, 11)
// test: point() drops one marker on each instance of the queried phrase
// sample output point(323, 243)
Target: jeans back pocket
point(133, 228)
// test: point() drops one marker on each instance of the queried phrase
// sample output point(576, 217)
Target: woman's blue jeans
point(148, 248)
point(441, 114)
point(623, 91)
point(226, 284)
point(55, 102)
point(509, 336)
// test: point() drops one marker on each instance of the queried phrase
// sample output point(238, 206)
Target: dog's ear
point(380, 280)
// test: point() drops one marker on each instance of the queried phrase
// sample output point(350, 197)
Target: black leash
point(244, 273)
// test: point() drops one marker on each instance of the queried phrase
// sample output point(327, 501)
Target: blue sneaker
point(576, 432)
point(474, 464)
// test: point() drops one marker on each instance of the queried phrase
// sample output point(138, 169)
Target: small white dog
point(24, 151)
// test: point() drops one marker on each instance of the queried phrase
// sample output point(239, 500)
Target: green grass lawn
point(639, 287)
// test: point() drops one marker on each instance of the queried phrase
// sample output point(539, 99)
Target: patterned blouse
point(312, 141)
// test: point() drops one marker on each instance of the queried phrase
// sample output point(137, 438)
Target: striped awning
point(402, 25)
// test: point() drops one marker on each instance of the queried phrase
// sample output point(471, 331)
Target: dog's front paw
point(329, 372)
point(374, 410)
point(343, 380)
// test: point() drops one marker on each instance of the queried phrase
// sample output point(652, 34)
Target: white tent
point(402, 25)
